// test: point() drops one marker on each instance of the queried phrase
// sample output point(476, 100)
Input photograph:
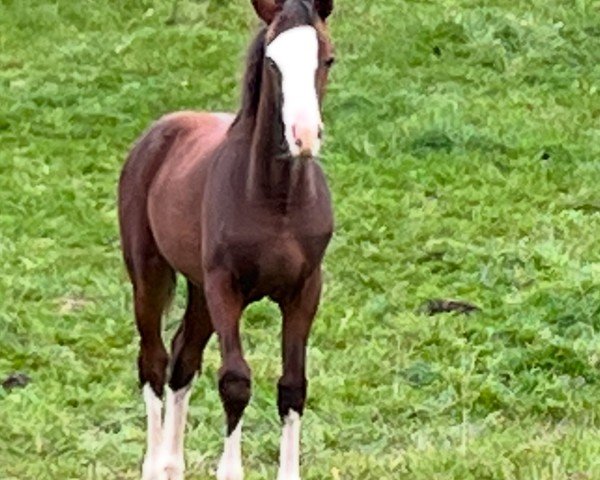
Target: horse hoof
point(173, 469)
point(150, 471)
point(167, 469)
point(229, 472)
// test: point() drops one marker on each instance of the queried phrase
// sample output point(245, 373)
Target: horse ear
point(324, 8)
point(267, 9)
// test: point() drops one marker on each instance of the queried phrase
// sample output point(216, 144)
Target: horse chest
point(284, 254)
point(270, 267)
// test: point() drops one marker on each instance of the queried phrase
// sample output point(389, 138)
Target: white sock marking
point(230, 466)
point(289, 456)
point(295, 52)
point(154, 431)
point(171, 457)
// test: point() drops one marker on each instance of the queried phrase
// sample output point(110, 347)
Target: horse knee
point(291, 397)
point(235, 390)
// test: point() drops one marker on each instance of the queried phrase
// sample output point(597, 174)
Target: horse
point(238, 205)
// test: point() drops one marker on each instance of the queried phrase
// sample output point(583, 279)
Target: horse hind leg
point(152, 277)
point(188, 345)
point(153, 286)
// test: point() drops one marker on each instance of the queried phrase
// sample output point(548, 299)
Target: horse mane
point(252, 77)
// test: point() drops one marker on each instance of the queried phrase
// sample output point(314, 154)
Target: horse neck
point(273, 176)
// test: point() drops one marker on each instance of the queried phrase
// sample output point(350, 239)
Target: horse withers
point(240, 207)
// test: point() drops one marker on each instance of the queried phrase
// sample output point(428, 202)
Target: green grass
point(463, 154)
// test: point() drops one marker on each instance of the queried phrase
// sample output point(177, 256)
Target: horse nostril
point(299, 143)
point(320, 134)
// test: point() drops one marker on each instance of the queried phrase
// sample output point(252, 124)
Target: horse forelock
point(295, 13)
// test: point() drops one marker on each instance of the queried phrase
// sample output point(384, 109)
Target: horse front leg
point(225, 305)
point(298, 314)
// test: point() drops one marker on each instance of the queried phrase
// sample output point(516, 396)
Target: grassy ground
point(463, 155)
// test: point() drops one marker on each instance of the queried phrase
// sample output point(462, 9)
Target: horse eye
point(271, 63)
point(329, 62)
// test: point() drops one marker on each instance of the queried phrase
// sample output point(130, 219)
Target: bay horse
point(240, 207)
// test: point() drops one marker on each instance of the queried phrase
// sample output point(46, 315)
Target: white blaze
point(296, 54)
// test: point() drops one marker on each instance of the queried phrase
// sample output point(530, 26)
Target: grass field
point(463, 154)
